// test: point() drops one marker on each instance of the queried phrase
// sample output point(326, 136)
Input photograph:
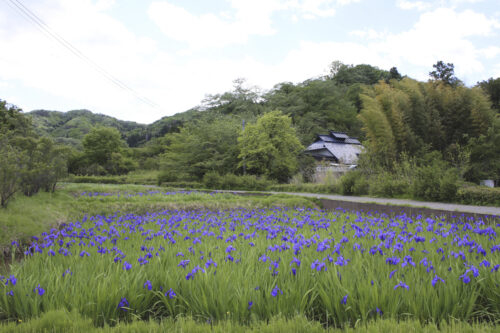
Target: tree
point(200, 147)
point(270, 147)
point(10, 169)
point(444, 73)
point(349, 74)
point(100, 143)
point(485, 155)
point(492, 89)
point(394, 74)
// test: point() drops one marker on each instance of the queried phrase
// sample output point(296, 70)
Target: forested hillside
point(411, 130)
point(70, 127)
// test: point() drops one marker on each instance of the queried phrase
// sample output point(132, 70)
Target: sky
point(141, 60)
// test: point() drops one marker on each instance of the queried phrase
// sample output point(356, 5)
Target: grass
point(64, 321)
point(256, 284)
point(28, 216)
point(255, 264)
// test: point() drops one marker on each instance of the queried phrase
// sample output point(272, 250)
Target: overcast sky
point(141, 60)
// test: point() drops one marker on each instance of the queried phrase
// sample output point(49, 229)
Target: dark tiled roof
point(340, 145)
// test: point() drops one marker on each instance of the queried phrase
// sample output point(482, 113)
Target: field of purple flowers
point(243, 265)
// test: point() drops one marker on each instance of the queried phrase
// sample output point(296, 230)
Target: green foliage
point(213, 180)
point(353, 183)
point(270, 147)
point(386, 184)
point(410, 117)
point(435, 181)
point(70, 127)
point(201, 147)
point(104, 154)
point(316, 106)
point(479, 195)
point(10, 170)
point(485, 155)
point(100, 143)
point(306, 187)
point(365, 74)
point(492, 89)
point(58, 321)
point(135, 177)
point(28, 163)
point(444, 73)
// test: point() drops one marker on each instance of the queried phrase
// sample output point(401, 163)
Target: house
point(337, 149)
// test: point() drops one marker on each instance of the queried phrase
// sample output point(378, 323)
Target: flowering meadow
point(247, 265)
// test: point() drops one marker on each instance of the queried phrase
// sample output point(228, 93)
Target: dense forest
point(418, 135)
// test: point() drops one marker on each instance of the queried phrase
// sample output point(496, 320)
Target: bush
point(388, 185)
point(167, 176)
point(448, 186)
point(426, 183)
point(435, 183)
point(230, 181)
point(348, 182)
point(99, 179)
point(479, 195)
point(306, 187)
point(181, 184)
point(361, 185)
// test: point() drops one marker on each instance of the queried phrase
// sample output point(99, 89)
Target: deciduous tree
point(270, 147)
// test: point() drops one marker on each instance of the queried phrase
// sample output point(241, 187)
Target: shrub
point(99, 179)
point(448, 186)
point(306, 187)
point(435, 183)
point(348, 182)
point(361, 185)
point(426, 184)
point(234, 182)
point(167, 176)
point(388, 185)
point(479, 195)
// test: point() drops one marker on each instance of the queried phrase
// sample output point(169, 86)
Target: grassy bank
point(63, 321)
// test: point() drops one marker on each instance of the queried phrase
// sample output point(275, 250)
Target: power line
point(27, 13)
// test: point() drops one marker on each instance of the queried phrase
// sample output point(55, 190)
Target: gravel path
point(488, 210)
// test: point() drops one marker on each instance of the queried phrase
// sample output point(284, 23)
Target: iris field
point(253, 264)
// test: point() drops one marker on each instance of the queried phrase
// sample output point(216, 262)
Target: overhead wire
point(30, 15)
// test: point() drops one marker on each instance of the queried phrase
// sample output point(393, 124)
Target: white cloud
point(210, 30)
point(418, 48)
point(177, 83)
point(369, 34)
point(409, 5)
point(247, 18)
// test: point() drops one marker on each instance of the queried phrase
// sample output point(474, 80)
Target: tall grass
point(349, 272)
point(64, 321)
point(28, 216)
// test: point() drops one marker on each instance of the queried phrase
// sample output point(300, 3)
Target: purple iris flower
point(275, 291)
point(148, 285)
point(295, 261)
point(183, 263)
point(402, 285)
point(39, 290)
point(435, 280)
point(170, 293)
point(123, 304)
